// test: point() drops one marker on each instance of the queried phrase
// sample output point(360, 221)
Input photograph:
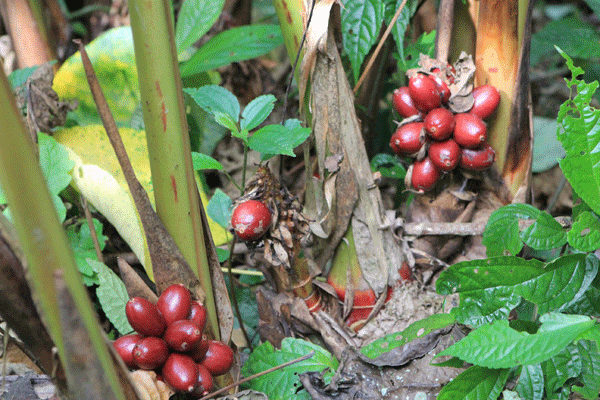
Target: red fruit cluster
point(169, 338)
point(251, 220)
point(439, 139)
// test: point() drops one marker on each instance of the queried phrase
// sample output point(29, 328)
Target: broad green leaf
point(590, 374)
point(497, 345)
point(283, 383)
point(481, 307)
point(576, 37)
point(399, 29)
point(202, 161)
point(277, 139)
point(388, 165)
point(298, 135)
point(194, 20)
point(226, 121)
point(476, 383)
point(257, 111)
point(216, 99)
point(413, 331)
point(501, 235)
point(112, 296)
point(564, 365)
point(56, 165)
point(531, 382)
point(83, 248)
point(585, 232)
point(547, 150)
point(545, 233)
point(236, 44)
point(588, 303)
point(361, 22)
point(219, 208)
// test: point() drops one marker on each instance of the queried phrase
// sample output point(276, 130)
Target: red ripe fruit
point(198, 314)
point(424, 175)
point(470, 131)
point(175, 303)
point(199, 350)
point(144, 317)
point(182, 335)
point(218, 358)
point(439, 123)
point(408, 138)
point(424, 92)
point(180, 372)
point(478, 159)
point(442, 88)
point(150, 353)
point(403, 103)
point(445, 155)
point(124, 346)
point(486, 99)
point(205, 382)
point(251, 220)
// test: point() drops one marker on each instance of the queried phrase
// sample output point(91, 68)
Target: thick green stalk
point(42, 238)
point(292, 16)
point(175, 192)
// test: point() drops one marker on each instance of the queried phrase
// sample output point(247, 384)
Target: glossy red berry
point(408, 138)
point(439, 123)
point(403, 103)
point(424, 92)
point(251, 220)
point(424, 175)
point(477, 159)
point(442, 88)
point(470, 131)
point(124, 346)
point(199, 350)
point(150, 353)
point(198, 314)
point(205, 382)
point(486, 100)
point(182, 335)
point(174, 303)
point(445, 155)
point(144, 317)
point(218, 358)
point(180, 372)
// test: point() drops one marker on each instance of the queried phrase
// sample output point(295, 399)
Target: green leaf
point(194, 20)
point(399, 29)
point(547, 150)
point(222, 254)
point(481, 307)
point(576, 37)
point(257, 111)
point(425, 44)
point(531, 382)
point(561, 367)
point(545, 233)
point(413, 331)
point(388, 165)
point(216, 100)
point(246, 298)
point(228, 122)
point(202, 161)
point(219, 208)
point(476, 383)
point(585, 232)
point(277, 139)
point(83, 248)
point(499, 346)
point(590, 376)
point(283, 383)
point(19, 77)
point(112, 296)
point(56, 164)
point(501, 233)
point(236, 44)
point(361, 22)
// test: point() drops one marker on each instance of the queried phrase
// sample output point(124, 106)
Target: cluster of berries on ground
point(438, 139)
point(169, 340)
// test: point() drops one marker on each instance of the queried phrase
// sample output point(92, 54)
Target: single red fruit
point(198, 314)
point(199, 349)
point(486, 99)
point(144, 317)
point(124, 346)
point(442, 88)
point(470, 130)
point(150, 353)
point(205, 382)
point(445, 155)
point(408, 138)
point(405, 272)
point(218, 358)
point(439, 123)
point(182, 335)
point(403, 103)
point(424, 175)
point(478, 159)
point(175, 303)
point(424, 92)
point(251, 220)
point(180, 372)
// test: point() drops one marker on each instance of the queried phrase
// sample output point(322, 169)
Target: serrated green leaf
point(501, 235)
point(545, 233)
point(497, 345)
point(83, 248)
point(388, 165)
point(201, 161)
point(219, 208)
point(194, 20)
point(476, 383)
point(413, 331)
point(564, 365)
point(297, 131)
point(585, 232)
point(216, 100)
point(361, 22)
point(257, 111)
point(284, 383)
point(112, 296)
point(277, 139)
point(531, 382)
point(233, 45)
point(399, 29)
point(590, 374)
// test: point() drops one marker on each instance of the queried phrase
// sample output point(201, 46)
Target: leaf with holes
point(545, 233)
point(475, 383)
point(502, 229)
point(585, 232)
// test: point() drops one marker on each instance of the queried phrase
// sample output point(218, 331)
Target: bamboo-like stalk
point(292, 15)
point(175, 192)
